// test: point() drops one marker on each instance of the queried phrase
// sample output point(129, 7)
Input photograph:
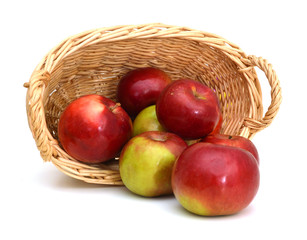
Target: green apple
point(146, 121)
point(146, 162)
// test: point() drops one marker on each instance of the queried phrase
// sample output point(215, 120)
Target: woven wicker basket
point(94, 61)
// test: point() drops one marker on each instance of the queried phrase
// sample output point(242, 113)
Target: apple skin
point(146, 162)
point(93, 129)
point(141, 88)
point(218, 127)
point(147, 121)
point(210, 179)
point(235, 141)
point(188, 109)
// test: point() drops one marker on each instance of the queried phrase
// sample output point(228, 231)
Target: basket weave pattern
point(94, 61)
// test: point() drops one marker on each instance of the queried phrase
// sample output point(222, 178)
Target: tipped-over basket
point(94, 61)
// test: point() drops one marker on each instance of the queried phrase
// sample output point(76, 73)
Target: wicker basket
point(94, 61)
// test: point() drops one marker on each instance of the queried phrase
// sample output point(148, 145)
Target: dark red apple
point(141, 88)
point(210, 179)
point(93, 129)
point(235, 141)
point(188, 109)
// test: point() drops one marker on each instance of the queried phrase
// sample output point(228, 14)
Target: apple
point(210, 179)
point(235, 141)
point(147, 121)
point(93, 129)
point(188, 109)
point(140, 88)
point(146, 162)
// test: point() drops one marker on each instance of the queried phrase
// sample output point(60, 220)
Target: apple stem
point(115, 106)
point(230, 137)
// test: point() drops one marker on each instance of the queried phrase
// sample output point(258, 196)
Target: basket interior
point(97, 69)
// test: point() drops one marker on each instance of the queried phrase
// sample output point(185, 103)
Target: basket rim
point(141, 31)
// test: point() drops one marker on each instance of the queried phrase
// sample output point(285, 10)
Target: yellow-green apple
point(140, 88)
point(146, 162)
point(235, 141)
point(147, 121)
point(210, 179)
point(93, 129)
point(188, 108)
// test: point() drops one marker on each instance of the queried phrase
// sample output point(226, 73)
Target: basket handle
point(36, 114)
point(276, 97)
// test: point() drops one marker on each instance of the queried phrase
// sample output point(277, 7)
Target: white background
point(39, 202)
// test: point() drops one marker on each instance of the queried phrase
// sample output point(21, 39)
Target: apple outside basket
point(93, 62)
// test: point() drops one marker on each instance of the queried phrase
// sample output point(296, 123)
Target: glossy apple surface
point(147, 121)
point(235, 141)
point(147, 160)
point(210, 179)
point(93, 129)
point(188, 109)
point(141, 88)
point(218, 127)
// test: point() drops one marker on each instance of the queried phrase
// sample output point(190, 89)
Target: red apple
point(141, 88)
point(147, 160)
point(93, 129)
point(235, 141)
point(210, 179)
point(188, 109)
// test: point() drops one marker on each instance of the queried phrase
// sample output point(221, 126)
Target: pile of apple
point(167, 134)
